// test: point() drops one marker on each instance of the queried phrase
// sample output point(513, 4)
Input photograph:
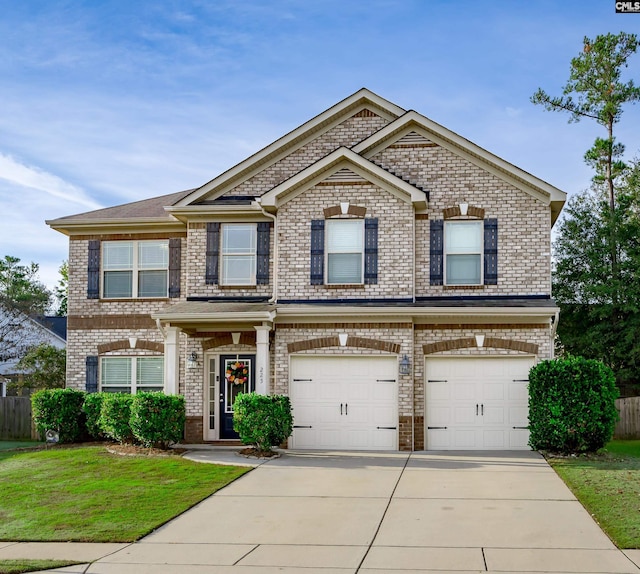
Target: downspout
point(274, 296)
point(162, 331)
point(554, 328)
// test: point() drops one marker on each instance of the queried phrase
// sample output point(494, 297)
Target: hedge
point(157, 419)
point(59, 410)
point(263, 421)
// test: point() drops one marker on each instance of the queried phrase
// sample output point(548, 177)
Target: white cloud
point(18, 173)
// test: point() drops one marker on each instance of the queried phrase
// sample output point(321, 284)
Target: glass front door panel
point(238, 374)
point(213, 403)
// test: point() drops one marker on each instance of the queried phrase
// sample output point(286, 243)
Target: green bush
point(262, 420)
point(91, 408)
point(157, 419)
point(59, 410)
point(571, 405)
point(115, 415)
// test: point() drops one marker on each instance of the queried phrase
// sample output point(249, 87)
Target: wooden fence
point(628, 426)
point(15, 418)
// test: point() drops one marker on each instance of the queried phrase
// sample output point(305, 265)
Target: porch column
point(171, 360)
point(263, 372)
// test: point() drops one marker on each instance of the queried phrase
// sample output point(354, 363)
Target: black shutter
point(91, 382)
point(93, 270)
point(490, 251)
point(213, 253)
point(262, 263)
point(174, 266)
point(371, 251)
point(436, 251)
point(317, 252)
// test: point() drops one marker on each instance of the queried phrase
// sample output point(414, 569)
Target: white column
point(171, 360)
point(263, 372)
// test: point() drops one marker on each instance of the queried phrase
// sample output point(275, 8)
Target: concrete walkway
point(330, 513)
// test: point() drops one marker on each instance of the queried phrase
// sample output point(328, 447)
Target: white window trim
point(254, 255)
point(135, 270)
point(326, 253)
point(133, 389)
point(446, 253)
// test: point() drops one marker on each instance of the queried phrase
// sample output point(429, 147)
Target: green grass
point(608, 486)
point(89, 495)
point(19, 566)
point(12, 444)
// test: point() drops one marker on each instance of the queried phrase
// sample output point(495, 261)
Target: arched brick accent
point(337, 210)
point(469, 342)
point(222, 339)
point(355, 342)
point(124, 344)
point(454, 211)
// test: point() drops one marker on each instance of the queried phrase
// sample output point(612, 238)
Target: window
point(463, 252)
point(131, 374)
point(135, 269)
point(239, 241)
point(344, 251)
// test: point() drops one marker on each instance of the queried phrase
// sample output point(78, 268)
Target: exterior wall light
point(405, 365)
point(192, 361)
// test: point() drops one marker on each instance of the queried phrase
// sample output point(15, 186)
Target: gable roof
point(362, 99)
point(414, 122)
point(334, 163)
point(146, 211)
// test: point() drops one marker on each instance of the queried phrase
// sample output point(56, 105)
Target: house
point(390, 276)
point(22, 332)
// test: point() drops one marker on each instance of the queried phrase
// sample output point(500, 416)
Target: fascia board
point(413, 121)
point(340, 158)
point(250, 212)
point(295, 139)
point(444, 315)
point(202, 318)
point(98, 226)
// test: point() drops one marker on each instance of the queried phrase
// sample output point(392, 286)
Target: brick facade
point(101, 327)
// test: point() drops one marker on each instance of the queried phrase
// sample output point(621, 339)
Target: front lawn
point(87, 494)
point(20, 566)
point(11, 444)
point(608, 486)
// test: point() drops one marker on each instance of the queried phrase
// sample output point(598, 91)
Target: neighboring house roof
point(57, 325)
point(36, 332)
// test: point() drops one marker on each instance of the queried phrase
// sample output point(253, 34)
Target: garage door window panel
point(345, 246)
point(463, 253)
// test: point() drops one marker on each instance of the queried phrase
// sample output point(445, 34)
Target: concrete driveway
point(325, 513)
point(342, 512)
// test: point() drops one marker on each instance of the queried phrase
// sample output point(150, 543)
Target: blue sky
point(107, 102)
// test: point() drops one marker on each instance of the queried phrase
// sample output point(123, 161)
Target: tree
point(44, 367)
point(600, 317)
point(595, 81)
point(21, 295)
point(61, 290)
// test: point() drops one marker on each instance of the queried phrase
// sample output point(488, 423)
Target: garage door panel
point(498, 385)
point(365, 388)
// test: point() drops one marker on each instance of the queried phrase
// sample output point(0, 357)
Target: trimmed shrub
point(263, 421)
point(157, 420)
point(115, 414)
point(91, 408)
point(571, 405)
point(59, 410)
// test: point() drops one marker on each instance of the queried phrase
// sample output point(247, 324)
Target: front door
point(238, 376)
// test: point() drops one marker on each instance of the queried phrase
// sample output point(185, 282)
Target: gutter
point(274, 296)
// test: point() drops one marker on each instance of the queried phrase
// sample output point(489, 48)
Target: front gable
point(424, 138)
point(344, 124)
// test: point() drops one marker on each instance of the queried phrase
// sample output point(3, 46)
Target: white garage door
point(477, 403)
point(344, 402)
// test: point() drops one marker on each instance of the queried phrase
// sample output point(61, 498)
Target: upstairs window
point(345, 248)
point(135, 269)
point(131, 374)
point(239, 254)
point(463, 252)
